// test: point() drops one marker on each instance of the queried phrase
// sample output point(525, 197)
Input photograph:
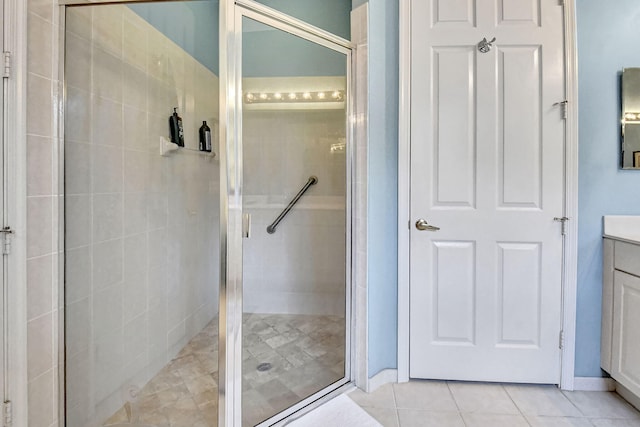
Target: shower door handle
point(246, 225)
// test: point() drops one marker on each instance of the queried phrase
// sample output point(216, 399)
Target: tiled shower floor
point(306, 353)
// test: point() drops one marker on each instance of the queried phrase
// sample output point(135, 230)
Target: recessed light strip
point(631, 117)
point(293, 97)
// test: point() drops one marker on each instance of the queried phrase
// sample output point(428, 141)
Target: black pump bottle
point(205, 137)
point(175, 127)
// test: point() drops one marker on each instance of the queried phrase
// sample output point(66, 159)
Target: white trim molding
point(569, 278)
point(593, 384)
point(360, 80)
point(404, 182)
point(15, 41)
point(386, 376)
point(570, 256)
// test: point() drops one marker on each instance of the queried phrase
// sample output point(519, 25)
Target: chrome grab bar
point(313, 180)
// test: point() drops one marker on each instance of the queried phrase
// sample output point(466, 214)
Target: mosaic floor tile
point(305, 354)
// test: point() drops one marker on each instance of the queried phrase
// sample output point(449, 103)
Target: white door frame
point(15, 181)
point(570, 260)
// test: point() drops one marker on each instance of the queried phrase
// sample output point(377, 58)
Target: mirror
point(631, 118)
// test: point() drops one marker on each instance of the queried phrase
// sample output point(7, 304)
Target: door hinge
point(6, 65)
point(7, 233)
point(246, 225)
point(564, 105)
point(561, 340)
point(7, 414)
point(563, 220)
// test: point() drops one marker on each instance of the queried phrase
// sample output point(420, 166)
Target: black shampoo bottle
point(205, 137)
point(175, 127)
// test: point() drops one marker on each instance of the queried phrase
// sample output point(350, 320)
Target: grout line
point(39, 376)
point(49, 20)
point(526, 420)
point(43, 196)
point(572, 403)
point(395, 403)
point(455, 402)
point(42, 76)
point(448, 383)
point(513, 401)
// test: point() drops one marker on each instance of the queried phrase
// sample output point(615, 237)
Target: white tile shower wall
point(142, 230)
point(300, 269)
point(42, 214)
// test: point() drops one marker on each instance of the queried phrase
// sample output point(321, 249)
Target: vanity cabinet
point(621, 313)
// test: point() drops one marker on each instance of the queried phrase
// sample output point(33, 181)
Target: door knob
point(422, 225)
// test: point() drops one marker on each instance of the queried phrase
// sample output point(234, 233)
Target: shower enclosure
point(204, 288)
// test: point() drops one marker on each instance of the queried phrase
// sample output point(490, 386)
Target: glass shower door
point(295, 191)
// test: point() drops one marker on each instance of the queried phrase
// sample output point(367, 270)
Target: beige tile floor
point(455, 404)
point(306, 353)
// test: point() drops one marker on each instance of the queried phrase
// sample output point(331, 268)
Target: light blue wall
point(273, 53)
point(330, 15)
point(608, 37)
point(191, 25)
point(269, 53)
point(383, 184)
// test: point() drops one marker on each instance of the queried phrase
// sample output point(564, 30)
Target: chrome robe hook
point(485, 46)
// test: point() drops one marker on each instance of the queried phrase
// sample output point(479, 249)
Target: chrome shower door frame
point(231, 207)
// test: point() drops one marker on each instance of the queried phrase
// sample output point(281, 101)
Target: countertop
point(622, 227)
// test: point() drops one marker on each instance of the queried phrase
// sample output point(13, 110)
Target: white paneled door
point(487, 159)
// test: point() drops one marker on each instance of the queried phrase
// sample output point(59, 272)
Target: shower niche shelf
point(167, 147)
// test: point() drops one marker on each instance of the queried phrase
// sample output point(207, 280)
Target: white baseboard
point(593, 384)
point(383, 377)
point(579, 383)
